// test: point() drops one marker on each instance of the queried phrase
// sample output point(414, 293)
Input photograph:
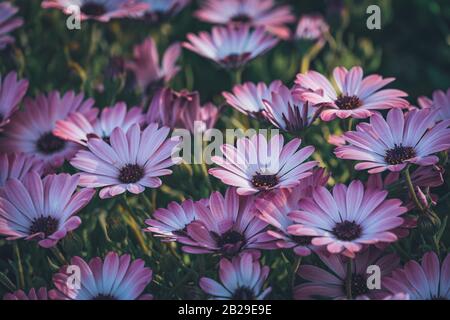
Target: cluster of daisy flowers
point(58, 149)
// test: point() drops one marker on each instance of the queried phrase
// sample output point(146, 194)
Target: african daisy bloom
point(134, 160)
point(330, 283)
point(242, 278)
point(231, 47)
point(17, 165)
point(114, 278)
point(288, 113)
point(30, 130)
point(12, 92)
point(78, 129)
point(8, 23)
point(275, 207)
point(401, 139)
point(227, 226)
point(159, 10)
point(100, 10)
point(146, 67)
point(33, 294)
point(181, 110)
point(248, 97)
point(256, 13)
point(171, 222)
point(311, 27)
point(429, 280)
point(41, 209)
point(440, 101)
point(256, 164)
point(356, 97)
point(348, 219)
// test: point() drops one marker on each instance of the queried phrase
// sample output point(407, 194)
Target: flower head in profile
point(248, 98)
point(114, 278)
point(429, 280)
point(33, 294)
point(160, 10)
point(440, 101)
point(242, 278)
point(12, 92)
point(132, 161)
point(8, 23)
point(257, 164)
point(100, 10)
point(172, 222)
point(77, 128)
point(17, 165)
point(181, 110)
point(311, 27)
point(231, 47)
point(149, 72)
point(356, 97)
point(330, 283)
point(30, 130)
point(287, 112)
point(256, 13)
point(227, 226)
point(275, 208)
point(348, 219)
point(401, 139)
point(41, 209)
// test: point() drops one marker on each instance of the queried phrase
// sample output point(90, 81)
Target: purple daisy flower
point(228, 226)
point(399, 140)
point(30, 131)
point(276, 206)
point(440, 101)
point(330, 283)
point(311, 27)
point(33, 294)
point(42, 209)
point(159, 10)
point(288, 113)
point(12, 92)
point(134, 160)
point(256, 13)
point(17, 165)
point(259, 165)
point(356, 97)
point(8, 23)
point(429, 280)
point(181, 110)
point(242, 278)
point(114, 278)
point(77, 128)
point(349, 219)
point(146, 67)
point(232, 46)
point(248, 97)
point(170, 223)
point(100, 10)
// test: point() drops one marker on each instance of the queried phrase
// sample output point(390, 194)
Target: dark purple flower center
point(49, 143)
point(93, 9)
point(131, 173)
point(229, 242)
point(399, 154)
point(241, 18)
point(302, 240)
point(104, 297)
point(347, 230)
point(264, 181)
point(243, 293)
point(358, 285)
point(235, 60)
point(348, 102)
point(46, 225)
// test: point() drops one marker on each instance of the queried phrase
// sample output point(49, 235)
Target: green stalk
point(412, 192)
point(4, 280)
point(19, 266)
point(348, 280)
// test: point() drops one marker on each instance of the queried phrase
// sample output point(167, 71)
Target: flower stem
point(236, 76)
point(4, 280)
point(412, 192)
point(298, 261)
point(348, 280)
point(19, 266)
point(59, 256)
point(130, 219)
